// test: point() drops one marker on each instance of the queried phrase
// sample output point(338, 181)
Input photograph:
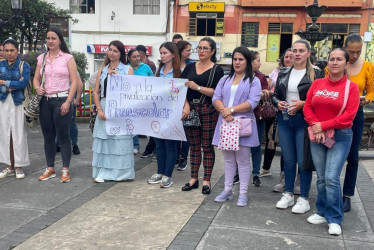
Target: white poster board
point(145, 105)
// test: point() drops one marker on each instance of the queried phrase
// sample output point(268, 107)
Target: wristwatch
point(198, 88)
point(232, 110)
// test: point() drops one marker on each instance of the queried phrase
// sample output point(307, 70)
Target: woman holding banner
point(113, 157)
point(166, 149)
point(203, 78)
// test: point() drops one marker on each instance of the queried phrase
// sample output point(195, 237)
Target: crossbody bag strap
point(210, 81)
point(43, 69)
point(346, 93)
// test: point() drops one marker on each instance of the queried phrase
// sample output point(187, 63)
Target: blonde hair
point(309, 66)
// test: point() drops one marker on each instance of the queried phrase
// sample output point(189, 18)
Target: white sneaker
point(99, 180)
point(19, 173)
point(286, 201)
point(316, 219)
point(335, 229)
point(302, 206)
point(264, 172)
point(7, 172)
point(135, 151)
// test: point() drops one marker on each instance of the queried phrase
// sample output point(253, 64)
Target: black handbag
point(194, 119)
point(32, 109)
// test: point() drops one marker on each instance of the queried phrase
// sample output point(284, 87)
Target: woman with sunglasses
point(199, 98)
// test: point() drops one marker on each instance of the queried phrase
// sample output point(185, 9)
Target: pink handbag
point(229, 135)
point(245, 126)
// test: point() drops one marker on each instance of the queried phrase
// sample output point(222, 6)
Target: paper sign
point(145, 105)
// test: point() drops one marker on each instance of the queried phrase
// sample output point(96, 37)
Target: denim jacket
point(11, 76)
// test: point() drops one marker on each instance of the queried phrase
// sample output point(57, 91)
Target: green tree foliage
point(33, 22)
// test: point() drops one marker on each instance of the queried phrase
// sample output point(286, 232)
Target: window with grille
point(279, 39)
point(206, 24)
point(250, 34)
point(147, 7)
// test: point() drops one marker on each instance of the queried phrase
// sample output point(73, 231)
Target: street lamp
point(312, 33)
point(16, 6)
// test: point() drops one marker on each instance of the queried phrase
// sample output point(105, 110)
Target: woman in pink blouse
point(56, 104)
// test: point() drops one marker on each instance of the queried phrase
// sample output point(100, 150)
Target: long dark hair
point(248, 57)
point(213, 46)
point(181, 45)
point(119, 45)
point(63, 47)
point(176, 60)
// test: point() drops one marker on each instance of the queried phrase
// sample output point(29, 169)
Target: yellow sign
point(272, 51)
point(206, 7)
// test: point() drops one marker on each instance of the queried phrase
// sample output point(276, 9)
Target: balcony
point(298, 3)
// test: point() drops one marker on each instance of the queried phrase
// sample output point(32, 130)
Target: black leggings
point(52, 124)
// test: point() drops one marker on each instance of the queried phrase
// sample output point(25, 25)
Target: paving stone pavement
point(134, 215)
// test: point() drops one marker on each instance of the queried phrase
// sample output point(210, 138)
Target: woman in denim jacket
point(14, 76)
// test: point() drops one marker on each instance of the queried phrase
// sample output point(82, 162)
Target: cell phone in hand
point(329, 142)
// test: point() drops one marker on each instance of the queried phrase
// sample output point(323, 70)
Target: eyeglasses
point(203, 48)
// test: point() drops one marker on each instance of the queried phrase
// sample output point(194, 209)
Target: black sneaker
point(256, 181)
point(236, 179)
point(146, 154)
point(76, 150)
point(182, 164)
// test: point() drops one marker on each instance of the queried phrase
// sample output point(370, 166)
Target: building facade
point(270, 26)
point(133, 22)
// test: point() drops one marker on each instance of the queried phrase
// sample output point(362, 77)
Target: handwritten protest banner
point(145, 105)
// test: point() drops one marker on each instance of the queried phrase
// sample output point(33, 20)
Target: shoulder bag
point(32, 109)
point(329, 142)
point(194, 119)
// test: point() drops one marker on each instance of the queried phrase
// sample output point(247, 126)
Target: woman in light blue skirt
point(113, 157)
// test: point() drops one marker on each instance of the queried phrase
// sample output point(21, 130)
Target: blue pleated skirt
point(113, 156)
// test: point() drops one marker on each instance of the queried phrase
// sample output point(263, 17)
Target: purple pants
point(240, 159)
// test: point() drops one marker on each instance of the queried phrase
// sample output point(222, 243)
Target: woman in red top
point(329, 92)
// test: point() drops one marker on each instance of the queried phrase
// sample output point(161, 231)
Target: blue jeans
point(166, 155)
point(291, 139)
point(256, 151)
point(183, 147)
point(73, 130)
point(352, 166)
point(329, 164)
point(135, 141)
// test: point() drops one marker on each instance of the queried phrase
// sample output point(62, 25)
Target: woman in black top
point(199, 98)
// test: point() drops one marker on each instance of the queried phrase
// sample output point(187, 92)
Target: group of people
point(311, 136)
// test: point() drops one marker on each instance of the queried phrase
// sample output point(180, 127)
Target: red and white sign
point(103, 48)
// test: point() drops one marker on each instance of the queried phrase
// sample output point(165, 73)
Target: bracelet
point(98, 109)
point(69, 101)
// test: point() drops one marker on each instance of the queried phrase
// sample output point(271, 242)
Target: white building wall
point(99, 28)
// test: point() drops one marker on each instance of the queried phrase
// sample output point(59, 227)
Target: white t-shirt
point(234, 88)
point(294, 80)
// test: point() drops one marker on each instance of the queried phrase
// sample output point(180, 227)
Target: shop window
point(250, 34)
point(147, 7)
point(339, 32)
point(82, 6)
point(279, 39)
point(206, 24)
